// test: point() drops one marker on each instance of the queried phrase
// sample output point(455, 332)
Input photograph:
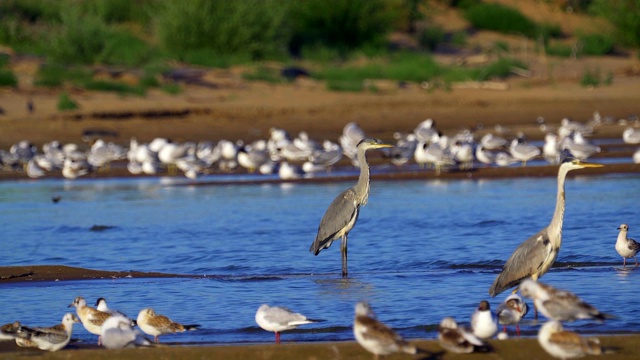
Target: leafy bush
point(81, 38)
point(595, 44)
point(32, 10)
point(591, 78)
point(66, 103)
point(500, 18)
point(623, 14)
point(430, 37)
point(118, 11)
point(8, 78)
point(253, 29)
point(344, 25)
point(122, 48)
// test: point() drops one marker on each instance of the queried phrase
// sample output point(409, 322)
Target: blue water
point(421, 250)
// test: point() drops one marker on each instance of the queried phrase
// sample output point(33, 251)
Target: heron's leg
point(636, 259)
point(624, 262)
point(343, 250)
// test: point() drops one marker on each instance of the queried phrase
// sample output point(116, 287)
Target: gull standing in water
point(342, 214)
point(627, 248)
point(278, 319)
point(566, 344)
point(534, 257)
point(376, 337)
point(51, 338)
point(560, 305)
point(511, 311)
point(156, 325)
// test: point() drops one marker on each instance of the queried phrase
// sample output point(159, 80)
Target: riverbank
point(618, 348)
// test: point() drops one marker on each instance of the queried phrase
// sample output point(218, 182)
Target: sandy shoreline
point(618, 347)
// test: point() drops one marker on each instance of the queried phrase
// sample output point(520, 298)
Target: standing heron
point(534, 257)
point(342, 214)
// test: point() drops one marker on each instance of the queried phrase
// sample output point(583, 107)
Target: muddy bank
point(61, 273)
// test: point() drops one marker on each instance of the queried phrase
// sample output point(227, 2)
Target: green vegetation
point(507, 20)
point(66, 103)
point(344, 41)
point(595, 78)
point(8, 78)
point(623, 14)
point(595, 44)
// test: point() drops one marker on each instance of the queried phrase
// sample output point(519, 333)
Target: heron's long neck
point(558, 214)
point(362, 187)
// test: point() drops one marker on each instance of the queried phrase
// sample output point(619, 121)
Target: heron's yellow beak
point(379, 146)
point(590, 165)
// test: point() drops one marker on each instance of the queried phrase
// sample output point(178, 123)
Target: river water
point(421, 250)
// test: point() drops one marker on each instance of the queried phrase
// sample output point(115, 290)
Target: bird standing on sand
point(278, 319)
point(50, 338)
point(534, 257)
point(342, 214)
point(627, 248)
point(511, 311)
point(456, 339)
point(560, 305)
point(566, 344)
point(376, 337)
point(483, 323)
point(156, 325)
point(91, 318)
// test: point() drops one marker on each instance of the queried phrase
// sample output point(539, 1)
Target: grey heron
point(534, 257)
point(342, 214)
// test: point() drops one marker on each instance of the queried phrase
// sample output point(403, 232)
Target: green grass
point(352, 85)
point(55, 75)
point(114, 86)
point(590, 78)
point(558, 49)
point(263, 73)
point(173, 89)
point(66, 103)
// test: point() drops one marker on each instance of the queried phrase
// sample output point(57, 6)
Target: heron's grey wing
point(339, 214)
point(524, 262)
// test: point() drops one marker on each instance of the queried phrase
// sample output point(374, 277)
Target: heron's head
point(624, 227)
point(370, 143)
point(571, 163)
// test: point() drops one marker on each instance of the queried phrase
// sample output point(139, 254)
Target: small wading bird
point(376, 337)
point(627, 248)
point(278, 319)
point(534, 257)
point(91, 318)
point(557, 304)
point(156, 325)
point(50, 338)
point(511, 311)
point(342, 214)
point(566, 344)
point(457, 339)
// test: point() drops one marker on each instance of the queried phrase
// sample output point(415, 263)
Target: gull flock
point(293, 157)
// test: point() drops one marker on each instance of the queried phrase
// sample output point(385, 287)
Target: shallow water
point(421, 250)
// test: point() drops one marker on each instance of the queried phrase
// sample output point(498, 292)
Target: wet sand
point(618, 348)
